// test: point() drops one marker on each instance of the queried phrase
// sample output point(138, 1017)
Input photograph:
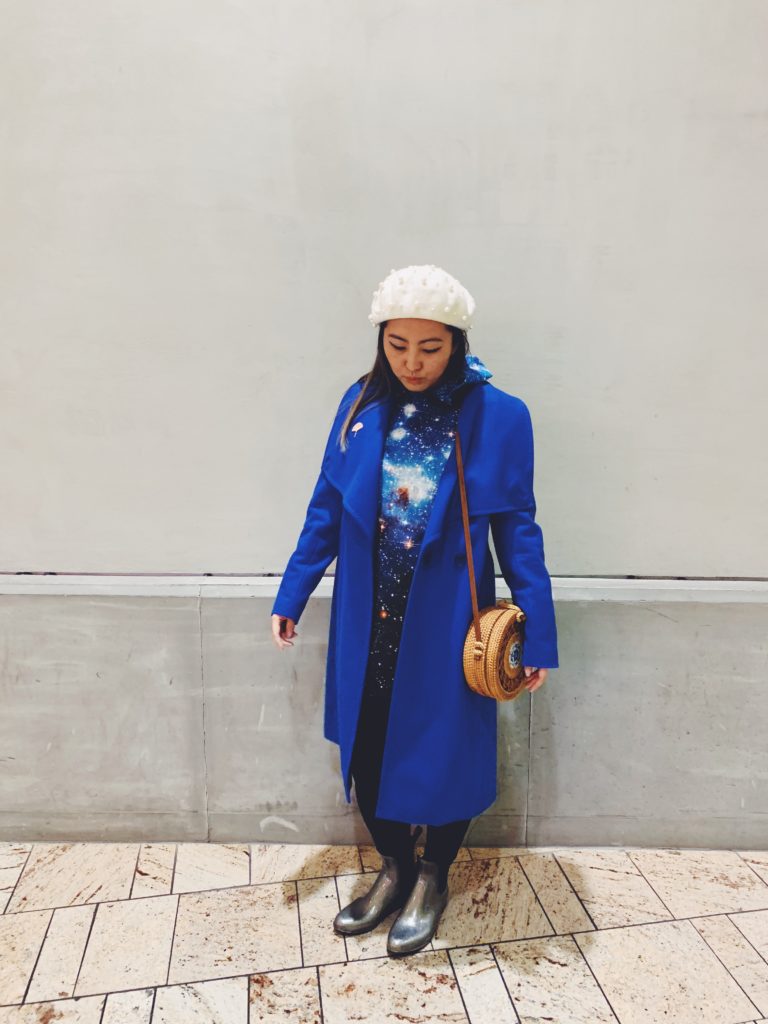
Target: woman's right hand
point(283, 638)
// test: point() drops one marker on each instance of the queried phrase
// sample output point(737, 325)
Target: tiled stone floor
point(198, 933)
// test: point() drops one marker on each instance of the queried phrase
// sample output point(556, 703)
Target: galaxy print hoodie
point(419, 441)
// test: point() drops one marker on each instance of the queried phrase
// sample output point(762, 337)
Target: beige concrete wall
point(197, 201)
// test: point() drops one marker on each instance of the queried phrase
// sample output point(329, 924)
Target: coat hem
point(416, 815)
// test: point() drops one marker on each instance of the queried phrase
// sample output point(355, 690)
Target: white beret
point(423, 291)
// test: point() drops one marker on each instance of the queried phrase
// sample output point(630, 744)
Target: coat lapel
point(366, 449)
point(363, 458)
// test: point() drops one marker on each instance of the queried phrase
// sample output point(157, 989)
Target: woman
point(418, 742)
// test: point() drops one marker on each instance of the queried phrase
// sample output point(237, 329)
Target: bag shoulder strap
point(465, 517)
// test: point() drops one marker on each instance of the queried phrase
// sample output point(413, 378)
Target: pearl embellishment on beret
point(409, 290)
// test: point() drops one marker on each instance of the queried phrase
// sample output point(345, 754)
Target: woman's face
point(418, 350)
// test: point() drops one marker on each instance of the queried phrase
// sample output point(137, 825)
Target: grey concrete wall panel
point(101, 718)
point(162, 718)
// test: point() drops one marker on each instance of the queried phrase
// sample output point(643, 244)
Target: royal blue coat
point(439, 761)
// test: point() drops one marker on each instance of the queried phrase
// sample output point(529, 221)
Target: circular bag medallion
point(514, 654)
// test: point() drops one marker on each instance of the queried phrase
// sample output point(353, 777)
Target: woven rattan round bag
point(493, 647)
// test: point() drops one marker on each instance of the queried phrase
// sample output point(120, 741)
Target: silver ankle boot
point(388, 892)
point(417, 922)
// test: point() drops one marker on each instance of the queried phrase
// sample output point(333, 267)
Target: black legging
point(393, 837)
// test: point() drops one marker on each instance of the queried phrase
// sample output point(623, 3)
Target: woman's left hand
point(536, 676)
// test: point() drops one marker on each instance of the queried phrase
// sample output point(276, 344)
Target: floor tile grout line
point(226, 888)
point(85, 947)
point(173, 938)
point(727, 913)
point(690, 919)
point(343, 937)
point(503, 980)
point(135, 869)
point(751, 868)
point(37, 958)
point(581, 902)
point(456, 979)
point(599, 986)
point(173, 869)
point(298, 921)
point(647, 881)
point(717, 956)
point(535, 894)
point(18, 878)
point(319, 991)
point(183, 984)
point(491, 944)
point(518, 850)
point(218, 888)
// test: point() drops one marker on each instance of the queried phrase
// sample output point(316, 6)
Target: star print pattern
point(417, 446)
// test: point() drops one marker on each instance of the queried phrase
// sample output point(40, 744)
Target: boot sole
point(407, 952)
point(370, 927)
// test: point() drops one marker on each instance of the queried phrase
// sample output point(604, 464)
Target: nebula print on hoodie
point(419, 442)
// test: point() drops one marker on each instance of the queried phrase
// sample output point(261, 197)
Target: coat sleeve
point(318, 542)
point(519, 544)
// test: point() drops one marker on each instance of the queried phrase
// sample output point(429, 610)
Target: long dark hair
point(380, 381)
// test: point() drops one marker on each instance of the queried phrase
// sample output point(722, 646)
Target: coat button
point(460, 557)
